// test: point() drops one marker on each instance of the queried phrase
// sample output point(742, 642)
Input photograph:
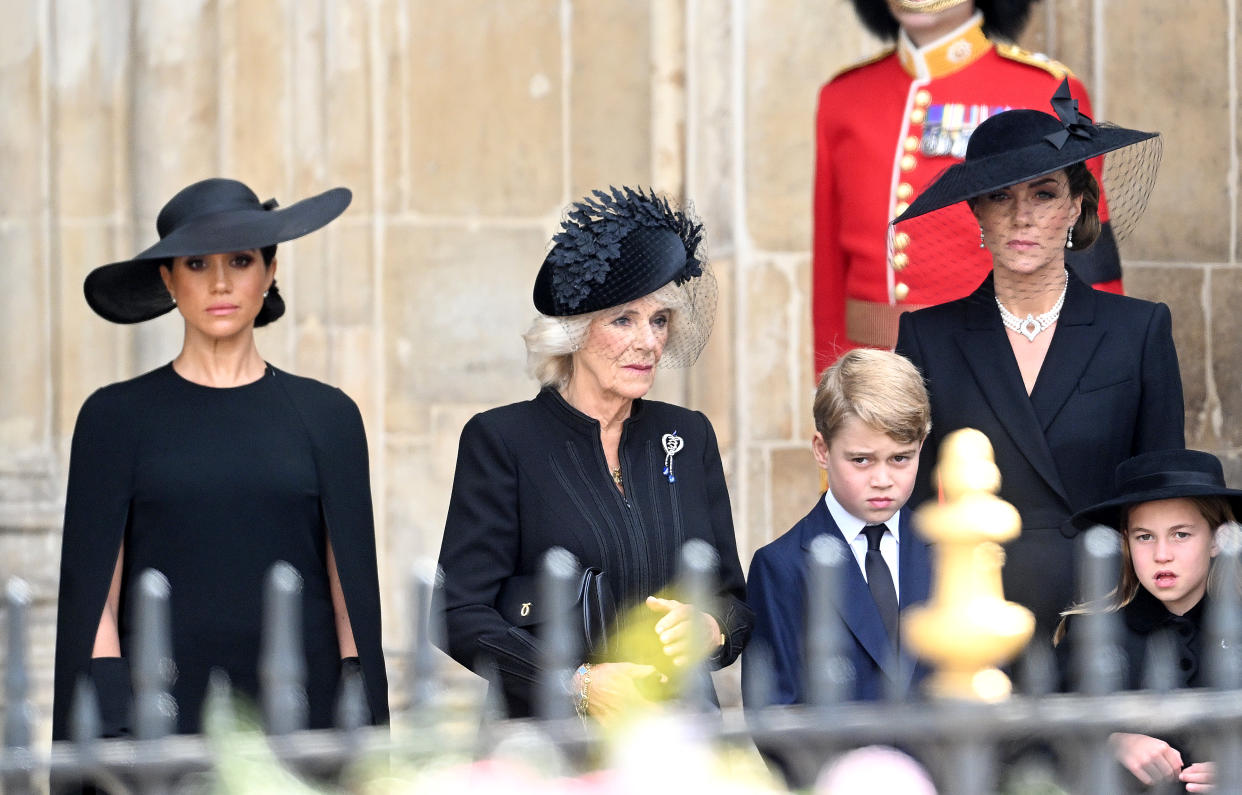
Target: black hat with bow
point(209, 217)
point(1020, 145)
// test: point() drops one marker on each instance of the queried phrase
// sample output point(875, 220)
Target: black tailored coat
point(533, 475)
point(1143, 620)
point(1109, 389)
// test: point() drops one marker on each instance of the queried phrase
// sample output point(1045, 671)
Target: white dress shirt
point(852, 528)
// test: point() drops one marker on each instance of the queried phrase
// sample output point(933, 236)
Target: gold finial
point(966, 629)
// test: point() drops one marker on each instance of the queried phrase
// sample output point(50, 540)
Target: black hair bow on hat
point(1077, 124)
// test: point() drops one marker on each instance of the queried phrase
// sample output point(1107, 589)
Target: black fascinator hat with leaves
point(616, 246)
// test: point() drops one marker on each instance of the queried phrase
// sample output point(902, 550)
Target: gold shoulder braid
point(1037, 59)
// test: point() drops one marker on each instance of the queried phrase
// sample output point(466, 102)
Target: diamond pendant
point(1029, 328)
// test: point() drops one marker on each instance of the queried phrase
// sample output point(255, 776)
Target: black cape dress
point(212, 487)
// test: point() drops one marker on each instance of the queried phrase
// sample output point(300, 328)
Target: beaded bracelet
point(582, 697)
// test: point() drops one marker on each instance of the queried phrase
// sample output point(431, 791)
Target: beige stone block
point(487, 140)
point(174, 131)
point(756, 530)
point(767, 329)
point(23, 343)
point(92, 352)
point(349, 254)
point(312, 348)
point(1163, 72)
point(611, 107)
point(792, 48)
point(1182, 289)
point(1225, 290)
point(1232, 464)
point(805, 377)
point(21, 137)
point(1063, 30)
point(257, 68)
point(456, 302)
point(353, 367)
point(305, 273)
point(711, 127)
point(795, 485)
point(418, 482)
point(348, 96)
point(710, 388)
point(86, 96)
point(33, 555)
point(392, 94)
point(308, 135)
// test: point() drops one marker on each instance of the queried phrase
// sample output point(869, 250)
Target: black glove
point(352, 667)
point(115, 691)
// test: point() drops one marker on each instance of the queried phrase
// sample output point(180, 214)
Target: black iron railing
point(968, 747)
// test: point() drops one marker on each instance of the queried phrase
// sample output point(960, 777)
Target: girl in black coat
point(592, 466)
point(1168, 507)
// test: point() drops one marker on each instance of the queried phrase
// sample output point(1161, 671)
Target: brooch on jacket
point(672, 445)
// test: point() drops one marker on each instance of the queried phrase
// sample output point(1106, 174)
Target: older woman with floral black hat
point(590, 465)
point(211, 469)
point(1064, 380)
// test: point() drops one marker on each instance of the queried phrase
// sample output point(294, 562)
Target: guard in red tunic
point(886, 129)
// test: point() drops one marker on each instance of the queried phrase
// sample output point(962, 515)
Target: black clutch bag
point(592, 612)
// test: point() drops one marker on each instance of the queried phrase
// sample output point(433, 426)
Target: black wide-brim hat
point(1159, 475)
point(1019, 145)
point(212, 216)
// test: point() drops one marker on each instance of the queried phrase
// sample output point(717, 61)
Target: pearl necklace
point(1031, 325)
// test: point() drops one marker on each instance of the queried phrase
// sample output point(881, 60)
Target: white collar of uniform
point(849, 524)
point(955, 50)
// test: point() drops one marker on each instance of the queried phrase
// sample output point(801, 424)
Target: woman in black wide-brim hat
point(211, 469)
point(592, 466)
point(1168, 507)
point(1064, 380)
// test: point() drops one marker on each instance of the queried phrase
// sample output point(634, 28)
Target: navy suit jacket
point(776, 591)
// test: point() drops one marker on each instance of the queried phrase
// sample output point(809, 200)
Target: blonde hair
point(881, 388)
point(1216, 511)
point(552, 340)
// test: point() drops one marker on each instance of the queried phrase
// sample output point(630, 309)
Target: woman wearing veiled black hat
point(212, 468)
point(1064, 380)
point(590, 465)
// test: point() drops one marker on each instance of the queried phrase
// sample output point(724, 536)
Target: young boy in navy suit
point(872, 415)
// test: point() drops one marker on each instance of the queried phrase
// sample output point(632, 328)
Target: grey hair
point(552, 340)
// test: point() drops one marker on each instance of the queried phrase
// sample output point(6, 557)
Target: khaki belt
point(874, 323)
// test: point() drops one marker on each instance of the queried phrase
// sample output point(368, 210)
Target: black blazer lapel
point(857, 607)
point(987, 352)
point(1073, 344)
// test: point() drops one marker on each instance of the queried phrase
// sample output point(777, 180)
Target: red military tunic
point(885, 130)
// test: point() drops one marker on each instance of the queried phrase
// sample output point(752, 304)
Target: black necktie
point(880, 580)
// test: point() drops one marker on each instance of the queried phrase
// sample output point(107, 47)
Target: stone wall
point(463, 129)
